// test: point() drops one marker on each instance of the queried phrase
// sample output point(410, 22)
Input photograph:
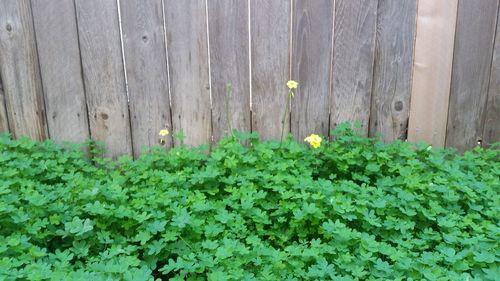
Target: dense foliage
point(353, 209)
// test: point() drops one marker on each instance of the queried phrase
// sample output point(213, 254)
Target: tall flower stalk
point(292, 85)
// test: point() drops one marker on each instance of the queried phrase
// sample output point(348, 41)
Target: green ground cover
point(352, 209)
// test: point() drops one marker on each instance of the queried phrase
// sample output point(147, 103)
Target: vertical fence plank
point(19, 71)
point(104, 79)
point(4, 123)
point(432, 71)
point(311, 63)
point(228, 34)
point(270, 36)
point(146, 66)
point(59, 55)
point(392, 68)
point(354, 47)
point(188, 63)
point(475, 35)
point(491, 132)
point(40, 69)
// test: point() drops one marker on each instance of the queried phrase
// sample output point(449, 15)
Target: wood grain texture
point(19, 71)
point(475, 35)
point(103, 74)
point(354, 47)
point(229, 63)
point(390, 106)
point(491, 131)
point(270, 38)
point(311, 64)
point(4, 123)
point(186, 28)
point(432, 71)
point(146, 66)
point(61, 71)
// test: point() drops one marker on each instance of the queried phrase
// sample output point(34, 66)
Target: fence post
point(311, 65)
point(475, 36)
point(354, 48)
point(432, 67)
point(146, 68)
point(61, 71)
point(229, 63)
point(186, 27)
point(104, 78)
point(390, 106)
point(20, 72)
point(270, 39)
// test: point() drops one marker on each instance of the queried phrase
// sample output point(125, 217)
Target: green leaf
point(208, 244)
point(157, 226)
point(485, 257)
point(182, 218)
point(78, 226)
point(373, 168)
point(218, 275)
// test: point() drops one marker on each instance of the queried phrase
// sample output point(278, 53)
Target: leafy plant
point(352, 209)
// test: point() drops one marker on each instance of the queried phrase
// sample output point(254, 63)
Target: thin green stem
point(187, 244)
point(287, 105)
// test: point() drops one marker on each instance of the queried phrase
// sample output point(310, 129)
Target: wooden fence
point(121, 70)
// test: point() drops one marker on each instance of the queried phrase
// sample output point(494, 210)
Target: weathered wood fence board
point(270, 36)
point(103, 74)
point(186, 29)
point(229, 63)
point(146, 68)
point(353, 56)
point(475, 35)
point(61, 71)
point(396, 21)
point(491, 131)
point(20, 71)
point(432, 71)
point(4, 123)
point(311, 65)
point(417, 70)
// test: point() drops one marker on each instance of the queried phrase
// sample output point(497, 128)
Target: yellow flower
point(163, 132)
point(292, 84)
point(314, 140)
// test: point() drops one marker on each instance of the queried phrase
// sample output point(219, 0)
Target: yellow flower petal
point(163, 132)
point(292, 84)
point(315, 144)
point(314, 140)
